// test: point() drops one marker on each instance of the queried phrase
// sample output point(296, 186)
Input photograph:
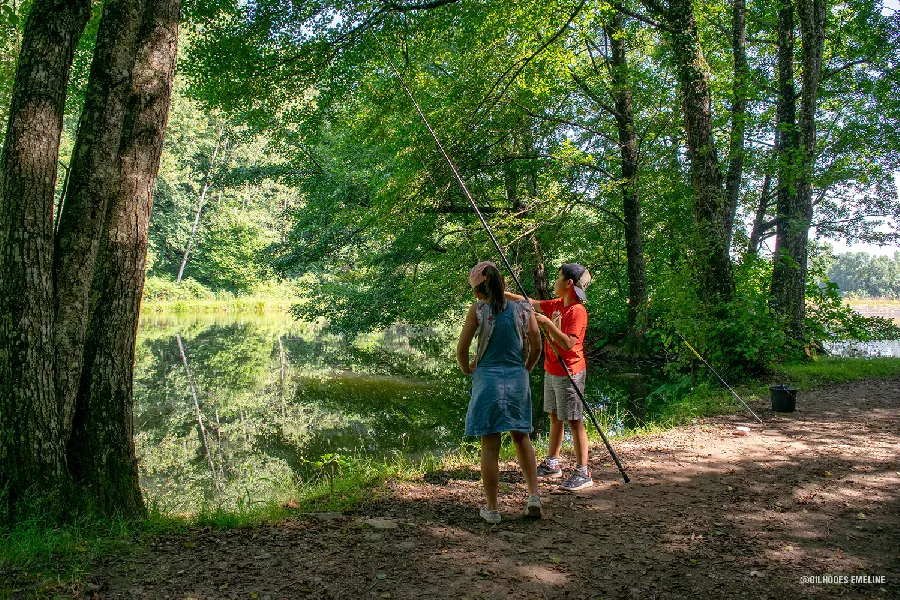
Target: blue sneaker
point(577, 481)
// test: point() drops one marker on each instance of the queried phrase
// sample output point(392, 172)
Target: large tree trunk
point(101, 452)
point(628, 147)
point(812, 32)
point(738, 114)
point(710, 205)
point(94, 177)
point(32, 457)
point(796, 156)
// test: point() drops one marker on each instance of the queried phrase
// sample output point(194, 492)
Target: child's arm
point(534, 343)
point(535, 304)
point(465, 340)
point(566, 341)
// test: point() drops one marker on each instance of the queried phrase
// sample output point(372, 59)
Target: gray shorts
point(560, 397)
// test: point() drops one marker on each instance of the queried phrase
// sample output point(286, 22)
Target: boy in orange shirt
point(565, 327)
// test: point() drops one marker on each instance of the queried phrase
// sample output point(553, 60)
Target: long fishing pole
point(697, 354)
point(487, 228)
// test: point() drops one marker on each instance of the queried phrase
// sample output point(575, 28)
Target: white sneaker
point(491, 516)
point(534, 506)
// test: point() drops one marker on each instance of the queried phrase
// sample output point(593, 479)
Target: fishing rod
point(490, 233)
point(697, 354)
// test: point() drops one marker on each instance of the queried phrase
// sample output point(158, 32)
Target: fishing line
point(697, 354)
point(512, 272)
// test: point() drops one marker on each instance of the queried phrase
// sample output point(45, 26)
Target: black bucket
point(784, 398)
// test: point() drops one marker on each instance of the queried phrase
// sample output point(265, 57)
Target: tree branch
point(396, 7)
point(516, 70)
point(853, 63)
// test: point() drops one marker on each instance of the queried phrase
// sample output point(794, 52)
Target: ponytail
point(492, 288)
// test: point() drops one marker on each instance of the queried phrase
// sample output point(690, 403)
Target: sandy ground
point(708, 514)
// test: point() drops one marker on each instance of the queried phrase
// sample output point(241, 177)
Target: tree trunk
point(759, 220)
point(794, 207)
point(539, 276)
point(628, 147)
point(710, 205)
point(812, 33)
point(32, 449)
point(200, 204)
point(94, 177)
point(101, 451)
point(738, 115)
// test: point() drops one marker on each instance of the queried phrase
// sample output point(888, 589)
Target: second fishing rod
point(512, 272)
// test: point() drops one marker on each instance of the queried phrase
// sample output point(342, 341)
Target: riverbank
point(876, 307)
point(191, 297)
point(708, 513)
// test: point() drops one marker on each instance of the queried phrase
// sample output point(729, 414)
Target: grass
point(163, 295)
point(838, 370)
point(873, 302)
point(240, 304)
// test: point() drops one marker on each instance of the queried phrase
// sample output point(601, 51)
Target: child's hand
point(542, 319)
point(471, 366)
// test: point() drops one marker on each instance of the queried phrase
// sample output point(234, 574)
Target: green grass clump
point(837, 370)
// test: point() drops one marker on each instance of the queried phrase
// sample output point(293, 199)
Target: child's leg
point(525, 454)
point(557, 428)
point(490, 467)
point(580, 441)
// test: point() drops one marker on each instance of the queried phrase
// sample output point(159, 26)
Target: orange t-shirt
point(571, 320)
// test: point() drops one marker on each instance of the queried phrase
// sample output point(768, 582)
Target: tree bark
point(101, 451)
point(812, 32)
point(796, 156)
point(32, 456)
point(539, 276)
point(710, 205)
point(738, 114)
point(628, 148)
point(94, 177)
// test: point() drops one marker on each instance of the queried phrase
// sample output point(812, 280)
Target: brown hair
point(492, 288)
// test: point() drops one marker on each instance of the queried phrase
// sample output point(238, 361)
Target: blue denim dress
point(501, 394)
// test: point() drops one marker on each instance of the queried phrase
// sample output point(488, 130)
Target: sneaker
point(534, 506)
point(577, 481)
point(491, 516)
point(545, 471)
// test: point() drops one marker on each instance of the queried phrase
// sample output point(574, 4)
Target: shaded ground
point(708, 514)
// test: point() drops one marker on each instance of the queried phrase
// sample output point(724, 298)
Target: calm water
point(228, 408)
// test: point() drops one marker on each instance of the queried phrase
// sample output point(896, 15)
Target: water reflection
point(883, 349)
point(230, 408)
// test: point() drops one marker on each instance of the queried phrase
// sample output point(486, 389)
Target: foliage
point(740, 338)
point(830, 318)
point(518, 93)
point(859, 274)
point(211, 158)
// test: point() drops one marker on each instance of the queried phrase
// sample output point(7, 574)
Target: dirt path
point(708, 515)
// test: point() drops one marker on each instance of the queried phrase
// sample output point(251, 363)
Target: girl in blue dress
point(508, 347)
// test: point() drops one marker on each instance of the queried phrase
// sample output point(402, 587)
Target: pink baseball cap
point(476, 275)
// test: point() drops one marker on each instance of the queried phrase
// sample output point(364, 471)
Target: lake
point(230, 407)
